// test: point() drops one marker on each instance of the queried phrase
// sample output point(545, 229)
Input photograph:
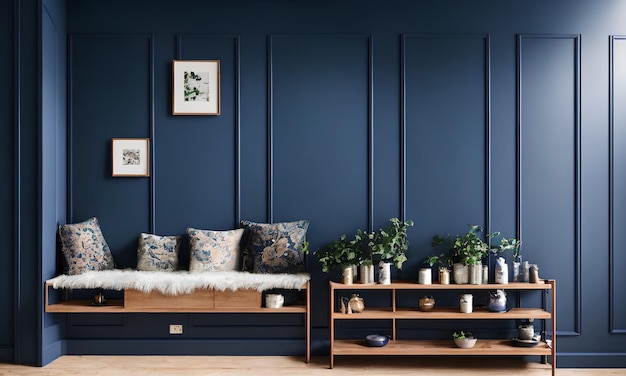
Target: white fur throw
point(181, 282)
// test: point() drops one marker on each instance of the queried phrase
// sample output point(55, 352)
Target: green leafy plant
point(338, 254)
point(469, 249)
point(441, 260)
point(461, 334)
point(391, 242)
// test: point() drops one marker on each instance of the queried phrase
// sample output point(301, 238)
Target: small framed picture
point(131, 156)
point(196, 87)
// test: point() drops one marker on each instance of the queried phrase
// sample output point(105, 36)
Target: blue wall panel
point(7, 161)
point(209, 144)
point(110, 92)
point(447, 123)
point(549, 177)
point(320, 133)
point(618, 186)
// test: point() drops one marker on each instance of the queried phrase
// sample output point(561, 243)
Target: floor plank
point(278, 365)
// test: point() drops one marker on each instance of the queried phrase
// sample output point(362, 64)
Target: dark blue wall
point(504, 114)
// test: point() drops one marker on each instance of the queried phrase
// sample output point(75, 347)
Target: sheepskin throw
point(181, 282)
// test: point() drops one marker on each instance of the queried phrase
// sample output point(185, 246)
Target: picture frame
point(130, 157)
point(196, 87)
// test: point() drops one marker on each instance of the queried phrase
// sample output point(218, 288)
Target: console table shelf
point(544, 349)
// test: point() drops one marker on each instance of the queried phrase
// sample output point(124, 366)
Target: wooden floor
point(277, 365)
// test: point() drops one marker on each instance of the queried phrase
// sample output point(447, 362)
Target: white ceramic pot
point(465, 343)
point(461, 273)
point(274, 300)
point(425, 276)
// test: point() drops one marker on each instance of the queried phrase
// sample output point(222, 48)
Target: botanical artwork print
point(84, 247)
point(158, 253)
point(196, 86)
point(131, 157)
point(275, 248)
point(214, 251)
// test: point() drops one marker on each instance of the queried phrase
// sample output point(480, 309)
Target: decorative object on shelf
point(425, 276)
point(485, 274)
point(130, 157)
point(475, 274)
point(526, 342)
point(426, 303)
point(356, 304)
point(99, 299)
point(444, 276)
point(461, 273)
point(525, 271)
point(196, 87)
point(497, 301)
point(377, 340)
point(466, 303)
point(443, 262)
point(274, 300)
point(366, 273)
point(384, 273)
point(502, 271)
point(533, 276)
point(464, 340)
point(390, 242)
point(526, 330)
point(348, 275)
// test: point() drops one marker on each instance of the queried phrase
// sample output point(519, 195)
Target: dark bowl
point(376, 340)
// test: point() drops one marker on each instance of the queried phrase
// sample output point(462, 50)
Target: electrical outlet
point(176, 329)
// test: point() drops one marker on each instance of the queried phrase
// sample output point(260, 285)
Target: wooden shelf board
point(439, 313)
point(116, 306)
point(403, 285)
point(437, 347)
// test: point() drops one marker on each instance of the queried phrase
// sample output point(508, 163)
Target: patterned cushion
point(84, 247)
point(158, 253)
point(274, 248)
point(214, 251)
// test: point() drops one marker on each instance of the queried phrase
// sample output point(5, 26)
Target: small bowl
point(465, 343)
point(376, 340)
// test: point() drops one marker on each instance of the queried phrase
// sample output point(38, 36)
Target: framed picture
point(131, 156)
point(196, 87)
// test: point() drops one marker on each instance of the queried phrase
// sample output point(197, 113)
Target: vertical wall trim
point(403, 213)
point(613, 329)
point(69, 202)
point(152, 205)
point(17, 179)
point(577, 163)
point(270, 122)
point(487, 109)
point(370, 121)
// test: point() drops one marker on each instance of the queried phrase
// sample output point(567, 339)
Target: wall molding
point(270, 119)
point(70, 120)
point(577, 161)
point(487, 125)
point(180, 38)
point(613, 290)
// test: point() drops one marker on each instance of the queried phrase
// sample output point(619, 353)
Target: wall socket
point(176, 329)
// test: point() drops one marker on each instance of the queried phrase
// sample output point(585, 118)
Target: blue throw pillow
point(274, 248)
point(84, 247)
point(158, 253)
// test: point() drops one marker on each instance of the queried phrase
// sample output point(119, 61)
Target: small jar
point(466, 303)
point(425, 276)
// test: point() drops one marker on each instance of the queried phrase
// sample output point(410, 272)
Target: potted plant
point(339, 254)
point(391, 244)
point(443, 263)
point(513, 245)
point(464, 339)
point(468, 250)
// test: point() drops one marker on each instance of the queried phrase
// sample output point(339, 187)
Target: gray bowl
point(376, 340)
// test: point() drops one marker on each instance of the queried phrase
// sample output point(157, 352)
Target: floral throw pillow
point(274, 248)
point(214, 251)
point(84, 247)
point(158, 253)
